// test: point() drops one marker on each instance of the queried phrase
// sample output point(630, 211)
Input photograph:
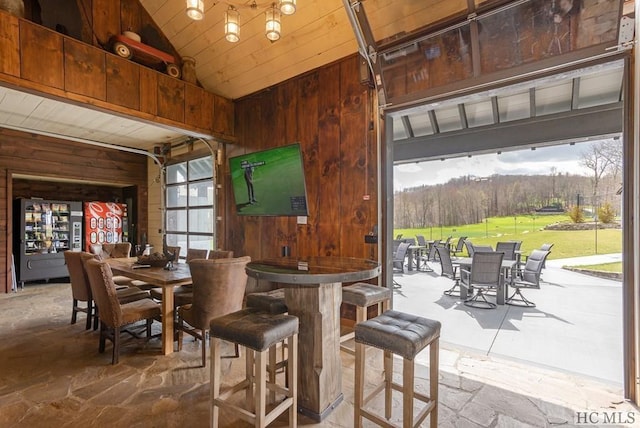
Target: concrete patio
point(576, 326)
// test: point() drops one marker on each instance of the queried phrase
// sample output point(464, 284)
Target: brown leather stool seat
point(362, 295)
point(272, 301)
point(405, 335)
point(258, 332)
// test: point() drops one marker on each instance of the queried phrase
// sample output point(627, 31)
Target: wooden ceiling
point(317, 34)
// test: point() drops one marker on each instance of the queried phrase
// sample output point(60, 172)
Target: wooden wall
point(331, 115)
point(63, 166)
point(40, 60)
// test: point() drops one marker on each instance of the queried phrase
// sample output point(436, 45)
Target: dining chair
point(119, 250)
point(468, 245)
point(529, 279)
point(81, 290)
point(220, 254)
point(448, 269)
point(183, 294)
point(398, 260)
point(114, 316)
point(486, 268)
point(508, 248)
point(218, 289)
point(459, 246)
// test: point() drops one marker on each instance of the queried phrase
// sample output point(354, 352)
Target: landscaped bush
point(606, 214)
point(575, 214)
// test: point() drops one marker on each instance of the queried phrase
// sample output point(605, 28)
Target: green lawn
point(529, 230)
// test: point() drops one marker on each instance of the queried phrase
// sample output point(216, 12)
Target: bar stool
point(257, 331)
point(404, 335)
point(273, 302)
point(362, 295)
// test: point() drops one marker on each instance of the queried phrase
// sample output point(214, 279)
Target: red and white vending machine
point(105, 223)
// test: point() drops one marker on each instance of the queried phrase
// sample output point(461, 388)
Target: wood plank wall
point(43, 61)
point(331, 115)
point(65, 165)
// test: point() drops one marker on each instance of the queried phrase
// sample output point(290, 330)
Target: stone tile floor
point(51, 375)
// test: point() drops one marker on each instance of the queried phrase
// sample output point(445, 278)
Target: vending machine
point(43, 231)
point(105, 223)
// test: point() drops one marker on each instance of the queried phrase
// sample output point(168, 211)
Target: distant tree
point(602, 157)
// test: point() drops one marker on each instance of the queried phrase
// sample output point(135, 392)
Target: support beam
point(569, 126)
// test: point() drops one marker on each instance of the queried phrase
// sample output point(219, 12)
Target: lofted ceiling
point(318, 33)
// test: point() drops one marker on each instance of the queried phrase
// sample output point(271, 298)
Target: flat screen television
point(269, 182)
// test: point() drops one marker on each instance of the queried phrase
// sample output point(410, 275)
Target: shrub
point(575, 214)
point(606, 214)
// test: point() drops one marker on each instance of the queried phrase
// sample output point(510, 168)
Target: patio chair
point(484, 276)
point(508, 248)
point(398, 260)
point(449, 270)
point(469, 247)
point(530, 279)
point(459, 247)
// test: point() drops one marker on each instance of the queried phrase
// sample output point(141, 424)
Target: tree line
point(470, 199)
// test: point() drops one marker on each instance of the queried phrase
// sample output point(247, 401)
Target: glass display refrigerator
point(44, 230)
point(105, 223)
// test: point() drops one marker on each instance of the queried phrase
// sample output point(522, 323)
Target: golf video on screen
point(269, 182)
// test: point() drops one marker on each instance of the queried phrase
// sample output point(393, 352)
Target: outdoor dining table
point(506, 267)
point(160, 277)
point(313, 293)
point(415, 252)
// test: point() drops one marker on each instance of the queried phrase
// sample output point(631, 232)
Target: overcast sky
point(565, 158)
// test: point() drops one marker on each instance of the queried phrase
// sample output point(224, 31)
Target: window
point(190, 215)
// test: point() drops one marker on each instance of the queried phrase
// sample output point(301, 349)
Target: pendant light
point(273, 25)
point(232, 24)
point(195, 9)
point(288, 7)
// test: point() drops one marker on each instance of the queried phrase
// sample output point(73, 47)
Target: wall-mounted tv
point(269, 182)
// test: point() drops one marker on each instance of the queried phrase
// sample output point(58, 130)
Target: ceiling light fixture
point(273, 26)
point(195, 9)
point(232, 24)
point(273, 14)
point(288, 7)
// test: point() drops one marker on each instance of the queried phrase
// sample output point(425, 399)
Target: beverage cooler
point(105, 223)
point(43, 230)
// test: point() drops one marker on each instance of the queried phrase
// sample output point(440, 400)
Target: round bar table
point(313, 293)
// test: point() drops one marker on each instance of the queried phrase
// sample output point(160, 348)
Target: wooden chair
point(81, 290)
point(218, 289)
point(114, 316)
point(220, 254)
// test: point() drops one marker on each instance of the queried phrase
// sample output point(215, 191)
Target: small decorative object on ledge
point(189, 69)
point(14, 7)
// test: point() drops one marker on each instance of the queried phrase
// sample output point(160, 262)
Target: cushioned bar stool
point(362, 295)
point(273, 302)
point(269, 301)
point(404, 335)
point(257, 331)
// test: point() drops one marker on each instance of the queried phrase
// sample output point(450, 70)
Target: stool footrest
point(397, 387)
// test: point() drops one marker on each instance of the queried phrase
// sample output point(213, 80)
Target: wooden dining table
point(159, 277)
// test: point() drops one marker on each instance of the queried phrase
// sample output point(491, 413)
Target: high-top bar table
point(313, 292)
